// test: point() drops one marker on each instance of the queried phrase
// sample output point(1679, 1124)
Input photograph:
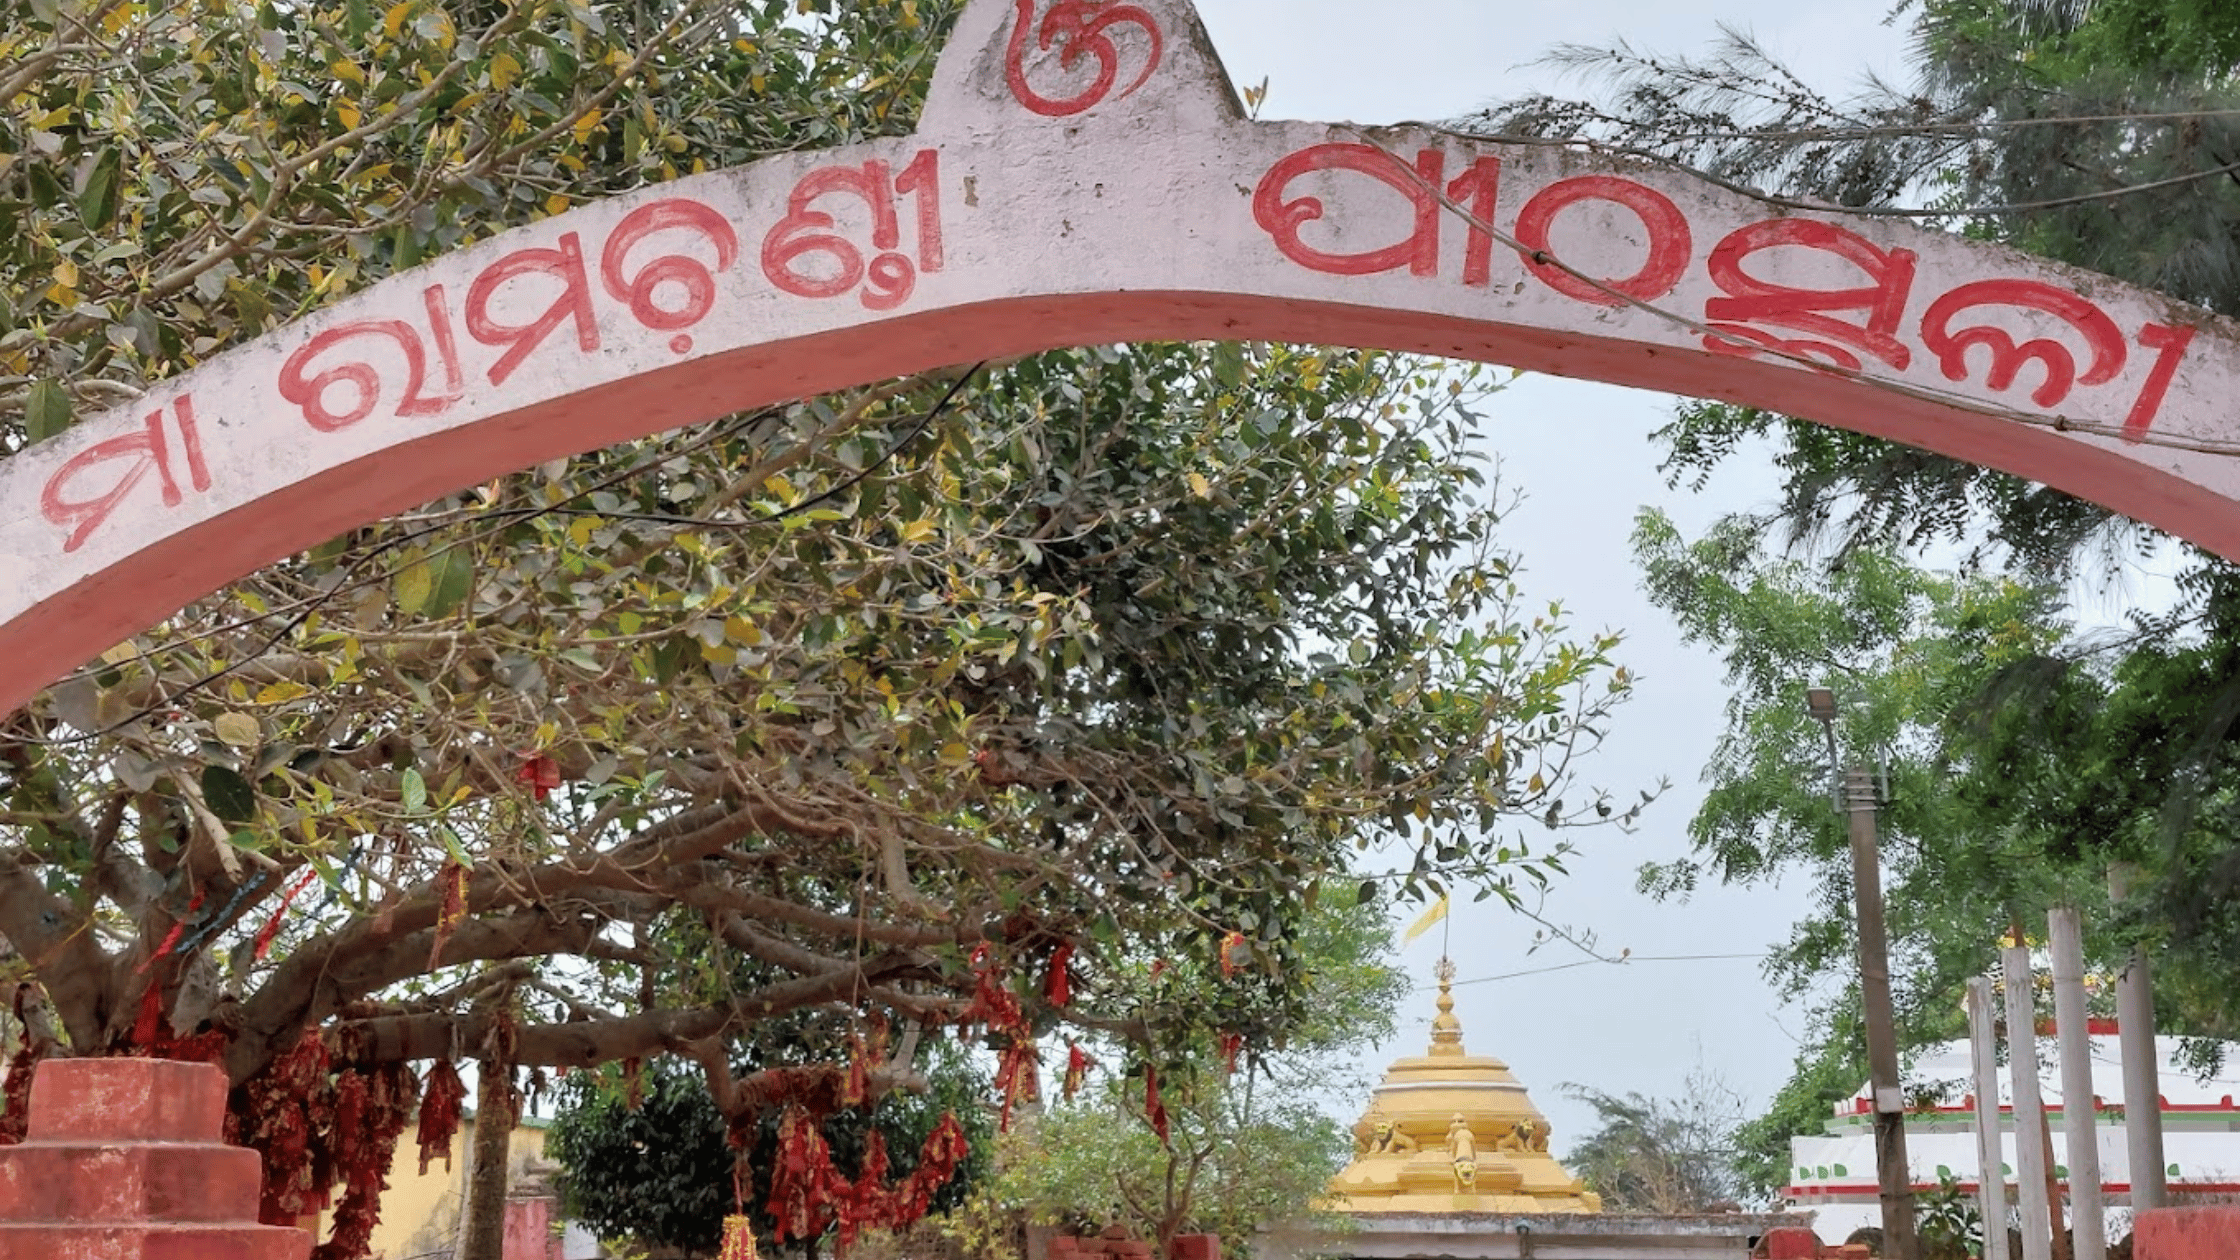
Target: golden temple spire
point(1454, 1132)
point(1446, 1030)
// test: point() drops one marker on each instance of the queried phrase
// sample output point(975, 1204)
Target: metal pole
point(1891, 1167)
point(2142, 1086)
point(1983, 1032)
point(2080, 1118)
point(2029, 1108)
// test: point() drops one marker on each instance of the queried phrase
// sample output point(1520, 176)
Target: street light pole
point(1891, 1166)
point(1892, 1170)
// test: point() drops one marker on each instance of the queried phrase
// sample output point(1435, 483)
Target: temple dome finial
point(1446, 1030)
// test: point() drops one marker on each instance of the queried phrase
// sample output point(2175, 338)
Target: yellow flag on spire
point(1429, 920)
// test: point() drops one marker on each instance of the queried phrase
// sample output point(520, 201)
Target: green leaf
point(97, 198)
point(452, 578)
point(414, 789)
point(250, 307)
point(46, 410)
point(228, 795)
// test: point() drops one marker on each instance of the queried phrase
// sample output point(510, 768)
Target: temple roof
point(1450, 1131)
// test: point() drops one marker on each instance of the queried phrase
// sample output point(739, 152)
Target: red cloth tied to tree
point(540, 772)
point(801, 1179)
point(370, 1114)
point(993, 1003)
point(1078, 1064)
point(1016, 1077)
point(1231, 1045)
point(808, 1195)
point(1058, 989)
point(1154, 1111)
point(855, 1088)
point(271, 928)
point(1232, 954)
point(149, 1024)
point(441, 1106)
point(286, 1103)
point(170, 942)
point(451, 884)
point(738, 1239)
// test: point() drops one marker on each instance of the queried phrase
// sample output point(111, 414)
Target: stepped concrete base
point(124, 1161)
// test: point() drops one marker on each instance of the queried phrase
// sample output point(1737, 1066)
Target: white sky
point(1581, 453)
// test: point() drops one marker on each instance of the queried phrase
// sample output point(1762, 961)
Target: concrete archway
point(1083, 174)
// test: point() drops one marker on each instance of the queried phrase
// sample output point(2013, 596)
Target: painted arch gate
point(1084, 174)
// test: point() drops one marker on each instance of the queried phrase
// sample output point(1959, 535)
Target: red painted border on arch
point(149, 585)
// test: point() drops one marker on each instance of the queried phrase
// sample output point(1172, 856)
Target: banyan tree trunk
point(482, 1234)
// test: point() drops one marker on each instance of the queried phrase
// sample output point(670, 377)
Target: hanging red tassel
point(1077, 1069)
point(738, 1238)
point(855, 1088)
point(271, 928)
point(1154, 1110)
point(993, 1003)
point(1232, 951)
point(441, 1105)
point(452, 882)
point(944, 1149)
point(802, 1179)
point(1016, 1077)
point(1059, 987)
point(1231, 1044)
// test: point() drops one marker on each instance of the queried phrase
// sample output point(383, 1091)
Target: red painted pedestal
point(124, 1161)
point(2203, 1233)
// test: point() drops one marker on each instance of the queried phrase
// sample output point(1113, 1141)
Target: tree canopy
point(1664, 1156)
point(944, 702)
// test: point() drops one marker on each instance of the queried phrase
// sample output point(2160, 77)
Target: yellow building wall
point(420, 1212)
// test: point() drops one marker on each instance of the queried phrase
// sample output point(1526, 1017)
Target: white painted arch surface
point(1098, 185)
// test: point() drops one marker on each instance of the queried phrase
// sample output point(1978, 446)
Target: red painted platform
point(2202, 1233)
point(125, 1161)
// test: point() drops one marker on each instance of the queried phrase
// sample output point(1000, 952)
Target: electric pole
point(1891, 1167)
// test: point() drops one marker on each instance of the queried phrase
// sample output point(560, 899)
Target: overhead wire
point(1623, 961)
